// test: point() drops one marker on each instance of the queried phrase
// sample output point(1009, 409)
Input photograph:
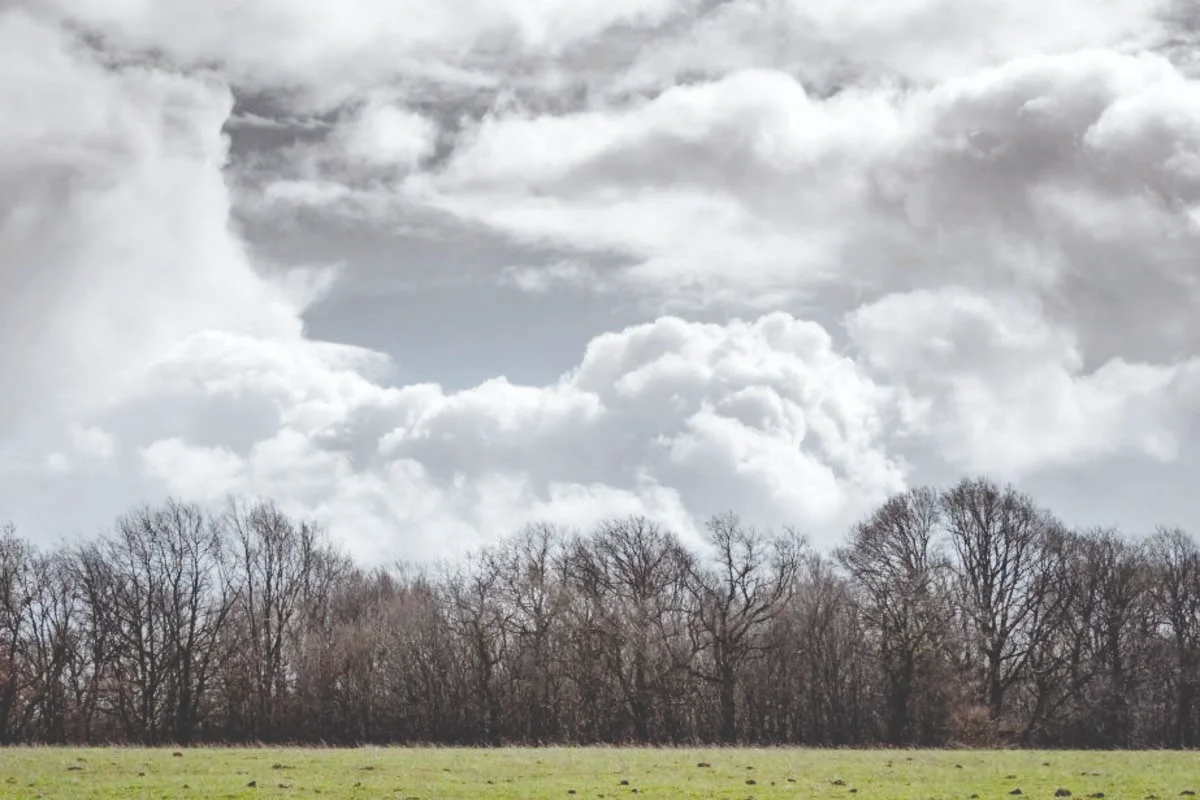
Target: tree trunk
point(1185, 737)
point(995, 685)
point(728, 688)
point(899, 695)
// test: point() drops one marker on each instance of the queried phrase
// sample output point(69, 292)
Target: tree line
point(965, 616)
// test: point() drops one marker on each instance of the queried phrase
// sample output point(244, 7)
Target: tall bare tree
point(127, 604)
point(16, 558)
point(484, 624)
point(897, 565)
point(156, 587)
point(1175, 588)
point(1004, 545)
point(1112, 600)
point(814, 686)
point(50, 651)
point(636, 575)
point(278, 569)
point(747, 582)
point(532, 587)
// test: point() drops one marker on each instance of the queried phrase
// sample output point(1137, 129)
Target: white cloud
point(834, 43)
point(115, 241)
point(205, 474)
point(672, 419)
point(382, 135)
point(370, 144)
point(331, 51)
point(85, 446)
point(748, 190)
point(543, 279)
point(1002, 390)
point(93, 442)
point(1000, 200)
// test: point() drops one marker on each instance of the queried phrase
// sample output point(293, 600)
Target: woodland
point(963, 616)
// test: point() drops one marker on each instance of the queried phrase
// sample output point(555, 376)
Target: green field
point(592, 773)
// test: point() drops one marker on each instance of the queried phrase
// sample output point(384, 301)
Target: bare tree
point(421, 671)
point(895, 562)
point(750, 579)
point(196, 601)
point(128, 606)
point(1175, 589)
point(813, 686)
point(1057, 665)
point(341, 674)
point(532, 586)
point(1004, 545)
point(15, 562)
point(635, 575)
point(99, 644)
point(279, 567)
point(158, 595)
point(1120, 574)
point(50, 650)
point(484, 624)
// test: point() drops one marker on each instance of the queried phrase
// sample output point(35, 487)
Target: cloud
point(545, 278)
point(672, 419)
point(205, 474)
point(862, 238)
point(383, 135)
point(330, 52)
point(699, 185)
point(999, 389)
point(1052, 173)
point(833, 44)
point(115, 237)
point(368, 144)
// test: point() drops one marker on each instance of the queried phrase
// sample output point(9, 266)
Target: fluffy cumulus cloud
point(670, 419)
point(1000, 390)
point(865, 243)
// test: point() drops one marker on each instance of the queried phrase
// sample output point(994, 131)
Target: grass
point(447, 774)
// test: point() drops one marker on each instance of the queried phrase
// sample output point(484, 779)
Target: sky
point(428, 271)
